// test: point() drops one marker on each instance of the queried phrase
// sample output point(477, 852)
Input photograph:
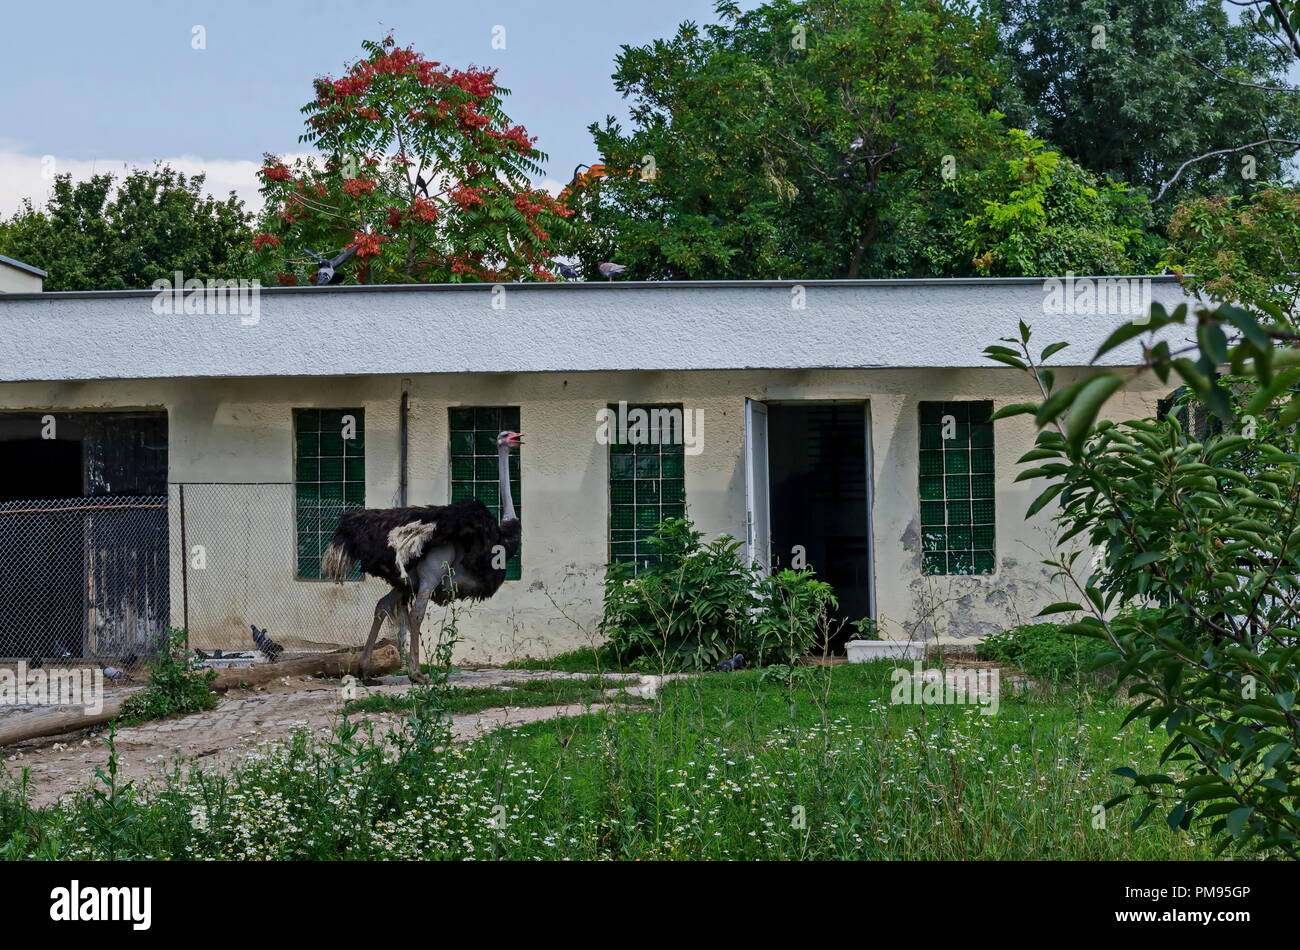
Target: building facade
point(838, 424)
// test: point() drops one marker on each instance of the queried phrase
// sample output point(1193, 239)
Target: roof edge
point(589, 285)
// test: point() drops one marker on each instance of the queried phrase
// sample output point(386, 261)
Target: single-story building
point(181, 459)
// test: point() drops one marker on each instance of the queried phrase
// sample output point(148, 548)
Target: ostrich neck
point(507, 499)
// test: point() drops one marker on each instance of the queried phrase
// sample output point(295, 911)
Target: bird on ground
point(727, 666)
point(568, 273)
point(113, 674)
point(610, 270)
point(266, 644)
point(327, 272)
point(433, 552)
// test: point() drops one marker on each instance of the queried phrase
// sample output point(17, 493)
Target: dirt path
point(243, 719)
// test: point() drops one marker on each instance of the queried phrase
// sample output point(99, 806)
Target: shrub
point(176, 685)
point(1044, 651)
point(1204, 528)
point(698, 604)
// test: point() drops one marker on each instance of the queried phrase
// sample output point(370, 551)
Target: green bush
point(176, 685)
point(699, 604)
point(1044, 651)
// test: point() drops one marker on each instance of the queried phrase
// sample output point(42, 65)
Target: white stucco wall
point(575, 327)
point(241, 430)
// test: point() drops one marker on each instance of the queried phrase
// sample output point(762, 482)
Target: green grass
point(471, 699)
point(723, 767)
point(582, 660)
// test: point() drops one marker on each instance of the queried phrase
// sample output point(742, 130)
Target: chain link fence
point(251, 555)
point(84, 578)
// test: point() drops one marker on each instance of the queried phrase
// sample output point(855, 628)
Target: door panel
point(757, 519)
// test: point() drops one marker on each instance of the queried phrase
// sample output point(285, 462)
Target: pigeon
point(113, 674)
point(266, 644)
point(325, 273)
point(568, 273)
point(727, 666)
point(610, 271)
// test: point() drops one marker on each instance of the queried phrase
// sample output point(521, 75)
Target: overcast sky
point(96, 85)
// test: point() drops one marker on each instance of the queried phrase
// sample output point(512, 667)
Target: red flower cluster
point(424, 210)
point(466, 196)
point(357, 187)
point(276, 171)
point(265, 240)
point(367, 245)
point(479, 83)
point(517, 136)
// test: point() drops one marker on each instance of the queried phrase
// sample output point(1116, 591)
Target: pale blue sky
point(95, 84)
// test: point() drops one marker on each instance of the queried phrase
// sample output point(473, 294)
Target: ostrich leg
point(434, 572)
point(415, 619)
point(386, 607)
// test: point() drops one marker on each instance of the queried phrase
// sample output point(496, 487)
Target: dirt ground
point(241, 721)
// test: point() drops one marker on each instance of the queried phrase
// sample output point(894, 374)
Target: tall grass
point(726, 766)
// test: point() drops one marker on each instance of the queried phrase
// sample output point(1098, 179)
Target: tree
point(832, 138)
point(1244, 251)
point(1202, 537)
point(1133, 90)
point(422, 174)
point(98, 235)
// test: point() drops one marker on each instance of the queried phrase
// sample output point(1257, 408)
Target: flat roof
point(563, 327)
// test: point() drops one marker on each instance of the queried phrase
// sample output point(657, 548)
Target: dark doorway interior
point(817, 466)
point(82, 572)
point(40, 468)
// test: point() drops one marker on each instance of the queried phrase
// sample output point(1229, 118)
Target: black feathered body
point(363, 537)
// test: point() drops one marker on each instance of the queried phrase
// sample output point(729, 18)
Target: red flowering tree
point(420, 171)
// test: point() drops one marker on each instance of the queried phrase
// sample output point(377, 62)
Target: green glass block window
point(475, 470)
point(957, 488)
point(329, 478)
point(647, 483)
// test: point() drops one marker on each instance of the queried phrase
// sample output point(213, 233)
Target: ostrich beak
point(515, 438)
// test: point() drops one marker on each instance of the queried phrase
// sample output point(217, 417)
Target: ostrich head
point(509, 438)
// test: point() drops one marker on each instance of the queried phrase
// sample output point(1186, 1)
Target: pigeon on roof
point(610, 270)
point(325, 274)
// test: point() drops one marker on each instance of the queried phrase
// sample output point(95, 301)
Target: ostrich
point(435, 552)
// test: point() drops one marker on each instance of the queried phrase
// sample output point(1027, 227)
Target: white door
point(757, 518)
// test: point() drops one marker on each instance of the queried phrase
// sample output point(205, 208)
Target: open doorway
point(819, 500)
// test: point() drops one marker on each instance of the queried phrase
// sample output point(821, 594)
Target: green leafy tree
point(1244, 251)
point(1203, 536)
point(1133, 90)
point(832, 138)
point(423, 176)
point(102, 234)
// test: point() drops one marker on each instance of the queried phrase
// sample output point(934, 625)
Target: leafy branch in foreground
point(1201, 534)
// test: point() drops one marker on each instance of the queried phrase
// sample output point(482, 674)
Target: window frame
point(320, 514)
point(963, 486)
point(507, 417)
point(641, 555)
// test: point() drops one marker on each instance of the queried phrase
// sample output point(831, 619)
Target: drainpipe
point(404, 428)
